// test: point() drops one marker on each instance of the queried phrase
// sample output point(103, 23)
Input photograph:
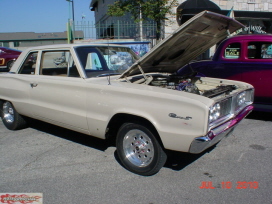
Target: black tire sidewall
point(18, 122)
point(159, 155)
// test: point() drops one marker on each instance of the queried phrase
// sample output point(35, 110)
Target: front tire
point(11, 118)
point(139, 150)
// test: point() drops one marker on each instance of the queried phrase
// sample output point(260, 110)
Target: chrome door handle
point(33, 84)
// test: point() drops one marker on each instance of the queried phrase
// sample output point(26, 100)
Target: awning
point(196, 6)
point(191, 7)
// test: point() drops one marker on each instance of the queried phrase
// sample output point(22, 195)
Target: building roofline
point(32, 36)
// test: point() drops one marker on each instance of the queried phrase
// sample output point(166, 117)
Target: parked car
point(107, 92)
point(8, 57)
point(245, 58)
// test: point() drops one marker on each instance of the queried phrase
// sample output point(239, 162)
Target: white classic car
point(107, 92)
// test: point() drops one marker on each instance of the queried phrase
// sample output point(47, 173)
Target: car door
point(17, 85)
point(58, 93)
point(228, 64)
point(257, 70)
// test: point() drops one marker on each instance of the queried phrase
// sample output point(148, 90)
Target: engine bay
point(191, 84)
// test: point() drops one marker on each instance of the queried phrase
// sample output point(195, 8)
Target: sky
point(41, 15)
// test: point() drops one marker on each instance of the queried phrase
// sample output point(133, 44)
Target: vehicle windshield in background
point(104, 61)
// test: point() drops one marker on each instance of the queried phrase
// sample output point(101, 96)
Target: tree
point(143, 9)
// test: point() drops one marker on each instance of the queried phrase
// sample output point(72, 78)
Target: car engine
point(190, 84)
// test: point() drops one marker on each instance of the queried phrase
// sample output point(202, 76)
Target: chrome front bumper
point(215, 135)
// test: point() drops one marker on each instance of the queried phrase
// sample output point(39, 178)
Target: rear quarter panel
point(16, 90)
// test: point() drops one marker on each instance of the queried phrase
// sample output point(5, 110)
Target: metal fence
point(117, 30)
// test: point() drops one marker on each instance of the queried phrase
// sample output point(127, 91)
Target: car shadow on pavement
point(179, 160)
point(70, 135)
point(175, 160)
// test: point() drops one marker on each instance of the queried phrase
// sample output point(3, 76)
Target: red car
point(245, 58)
point(8, 56)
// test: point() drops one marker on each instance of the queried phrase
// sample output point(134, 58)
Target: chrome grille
point(225, 107)
point(230, 106)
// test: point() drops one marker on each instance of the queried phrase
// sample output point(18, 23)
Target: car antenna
point(108, 77)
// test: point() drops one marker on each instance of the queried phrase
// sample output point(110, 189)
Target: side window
point(29, 64)
point(266, 52)
point(233, 51)
point(58, 63)
point(259, 50)
point(252, 51)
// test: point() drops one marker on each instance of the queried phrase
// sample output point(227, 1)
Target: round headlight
point(214, 112)
point(241, 98)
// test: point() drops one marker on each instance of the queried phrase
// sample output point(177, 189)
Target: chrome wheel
point(138, 148)
point(10, 117)
point(8, 112)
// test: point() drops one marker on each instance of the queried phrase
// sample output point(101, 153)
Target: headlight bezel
point(214, 112)
point(229, 107)
point(244, 99)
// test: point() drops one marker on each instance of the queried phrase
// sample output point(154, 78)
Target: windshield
point(105, 60)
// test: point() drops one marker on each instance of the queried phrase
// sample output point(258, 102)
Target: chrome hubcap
point(138, 148)
point(8, 112)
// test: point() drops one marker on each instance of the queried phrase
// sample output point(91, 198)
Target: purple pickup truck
point(245, 58)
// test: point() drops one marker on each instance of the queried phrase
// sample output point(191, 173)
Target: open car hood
point(190, 40)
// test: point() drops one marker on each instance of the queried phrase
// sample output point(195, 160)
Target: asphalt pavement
point(69, 167)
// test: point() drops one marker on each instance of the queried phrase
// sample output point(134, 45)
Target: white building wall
point(242, 5)
point(100, 12)
point(245, 5)
point(101, 9)
point(171, 24)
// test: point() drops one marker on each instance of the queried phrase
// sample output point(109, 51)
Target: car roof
point(62, 46)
